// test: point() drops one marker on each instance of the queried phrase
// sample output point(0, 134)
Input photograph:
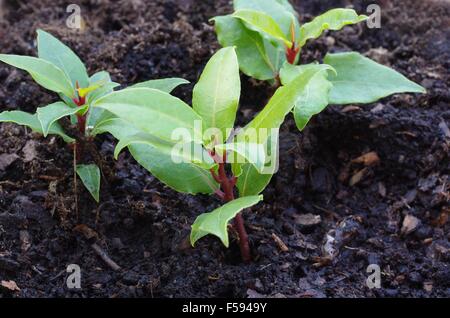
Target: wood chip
point(349, 109)
point(357, 177)
point(10, 284)
point(308, 219)
point(368, 159)
point(87, 232)
point(280, 243)
point(410, 224)
point(29, 151)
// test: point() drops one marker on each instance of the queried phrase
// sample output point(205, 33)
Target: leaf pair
point(263, 31)
point(60, 70)
point(351, 79)
point(153, 124)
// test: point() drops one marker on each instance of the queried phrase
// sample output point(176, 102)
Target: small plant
point(196, 150)
point(268, 39)
point(60, 70)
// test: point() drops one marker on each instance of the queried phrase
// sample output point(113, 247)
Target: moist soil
point(334, 214)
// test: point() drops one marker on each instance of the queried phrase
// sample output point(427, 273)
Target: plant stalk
point(227, 185)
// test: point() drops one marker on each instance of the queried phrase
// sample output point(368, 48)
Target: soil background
point(391, 210)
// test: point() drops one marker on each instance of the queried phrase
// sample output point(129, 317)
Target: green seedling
point(58, 69)
point(196, 150)
point(269, 38)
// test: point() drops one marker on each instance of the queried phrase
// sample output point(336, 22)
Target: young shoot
point(58, 69)
point(269, 38)
point(196, 150)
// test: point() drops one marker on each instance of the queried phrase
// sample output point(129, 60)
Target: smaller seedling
point(269, 38)
point(60, 70)
point(196, 150)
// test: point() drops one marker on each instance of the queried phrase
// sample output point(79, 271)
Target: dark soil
point(142, 225)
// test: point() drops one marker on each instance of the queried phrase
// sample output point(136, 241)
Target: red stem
point(227, 185)
point(291, 53)
point(81, 122)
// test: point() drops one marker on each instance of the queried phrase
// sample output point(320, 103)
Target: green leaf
point(273, 114)
point(360, 80)
point(280, 10)
point(44, 73)
point(97, 114)
point(254, 61)
point(262, 22)
point(216, 95)
point(154, 112)
point(182, 177)
point(90, 176)
point(180, 153)
point(117, 127)
point(54, 51)
point(166, 84)
point(315, 95)
point(107, 86)
point(49, 114)
point(253, 182)
point(243, 153)
point(31, 121)
point(216, 222)
point(334, 19)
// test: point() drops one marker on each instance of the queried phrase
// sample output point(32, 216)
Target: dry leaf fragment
point(283, 247)
point(368, 159)
point(10, 284)
point(357, 177)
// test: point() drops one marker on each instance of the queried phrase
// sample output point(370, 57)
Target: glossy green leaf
point(216, 222)
point(254, 60)
point(90, 176)
point(216, 95)
point(96, 114)
point(49, 114)
point(253, 182)
point(154, 112)
point(361, 80)
point(181, 153)
point(182, 177)
point(56, 52)
point(334, 19)
point(166, 84)
point(31, 121)
point(117, 127)
point(274, 113)
point(281, 11)
point(315, 96)
point(242, 152)
point(262, 22)
point(44, 73)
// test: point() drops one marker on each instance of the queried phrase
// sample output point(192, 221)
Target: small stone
point(410, 224)
point(6, 160)
point(308, 219)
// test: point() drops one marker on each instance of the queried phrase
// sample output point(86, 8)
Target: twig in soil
point(75, 190)
point(281, 245)
point(102, 254)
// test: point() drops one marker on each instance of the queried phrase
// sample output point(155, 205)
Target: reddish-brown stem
point(226, 194)
point(81, 121)
point(291, 53)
